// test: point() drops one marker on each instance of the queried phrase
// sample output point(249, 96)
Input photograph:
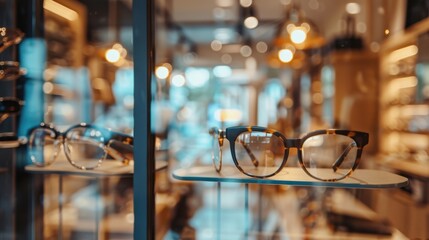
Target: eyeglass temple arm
point(120, 151)
point(251, 155)
point(342, 157)
point(120, 146)
point(3, 117)
point(249, 152)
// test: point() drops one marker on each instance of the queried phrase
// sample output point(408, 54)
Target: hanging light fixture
point(286, 57)
point(298, 31)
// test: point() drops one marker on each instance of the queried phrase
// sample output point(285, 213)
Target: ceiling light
point(246, 3)
point(352, 8)
point(298, 31)
point(285, 55)
point(251, 22)
point(112, 55)
point(162, 72)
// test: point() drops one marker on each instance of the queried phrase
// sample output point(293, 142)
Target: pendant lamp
point(298, 31)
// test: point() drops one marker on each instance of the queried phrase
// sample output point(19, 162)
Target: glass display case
point(187, 119)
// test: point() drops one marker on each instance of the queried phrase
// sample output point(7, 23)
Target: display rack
point(361, 178)
point(108, 168)
point(291, 176)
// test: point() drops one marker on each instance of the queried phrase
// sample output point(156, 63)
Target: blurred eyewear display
point(326, 155)
point(85, 146)
point(10, 70)
point(8, 106)
point(9, 37)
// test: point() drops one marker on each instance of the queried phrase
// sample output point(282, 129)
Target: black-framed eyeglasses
point(9, 37)
point(326, 155)
point(9, 106)
point(86, 146)
point(10, 70)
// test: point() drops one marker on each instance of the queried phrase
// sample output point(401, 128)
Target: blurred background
point(294, 66)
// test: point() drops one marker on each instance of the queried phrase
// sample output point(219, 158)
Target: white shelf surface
point(361, 178)
point(107, 168)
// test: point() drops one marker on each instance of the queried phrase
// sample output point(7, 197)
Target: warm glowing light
point(48, 87)
point(112, 55)
point(285, 55)
point(405, 82)
point(251, 22)
point(60, 10)
point(162, 72)
point(246, 3)
point(228, 115)
point(403, 53)
point(353, 8)
point(386, 32)
point(298, 35)
point(225, 3)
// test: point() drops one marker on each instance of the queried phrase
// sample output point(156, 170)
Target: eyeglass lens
point(43, 146)
point(259, 153)
point(84, 147)
point(329, 156)
point(325, 156)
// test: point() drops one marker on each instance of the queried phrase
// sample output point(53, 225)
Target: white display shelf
point(107, 168)
point(361, 178)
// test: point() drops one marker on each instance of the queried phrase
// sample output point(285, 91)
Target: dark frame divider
point(144, 166)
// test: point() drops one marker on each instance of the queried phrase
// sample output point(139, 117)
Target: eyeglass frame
point(9, 37)
point(10, 70)
point(61, 136)
point(231, 133)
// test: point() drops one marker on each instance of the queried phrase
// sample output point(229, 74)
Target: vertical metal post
point(60, 206)
point(218, 211)
point(246, 211)
point(144, 167)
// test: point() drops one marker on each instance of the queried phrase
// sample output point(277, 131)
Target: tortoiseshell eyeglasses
point(326, 155)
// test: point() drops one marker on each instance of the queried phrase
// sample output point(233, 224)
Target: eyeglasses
point(9, 106)
point(85, 146)
point(326, 155)
point(9, 37)
point(10, 70)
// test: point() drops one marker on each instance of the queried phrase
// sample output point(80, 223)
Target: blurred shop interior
point(359, 65)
